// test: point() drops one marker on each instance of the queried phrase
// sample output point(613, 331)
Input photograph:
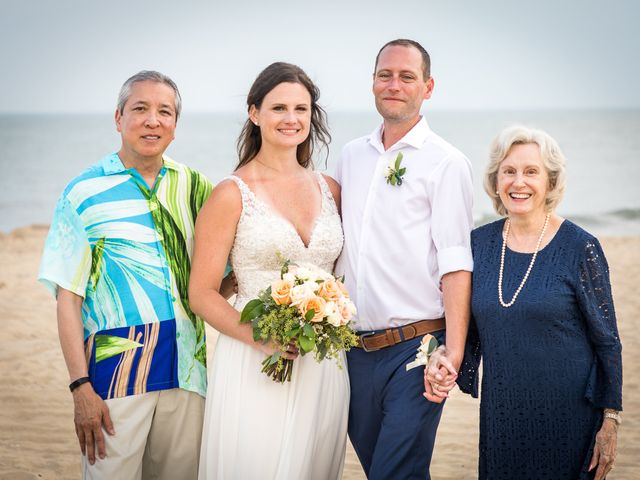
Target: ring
point(436, 386)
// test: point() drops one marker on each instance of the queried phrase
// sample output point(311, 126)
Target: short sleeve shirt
point(126, 248)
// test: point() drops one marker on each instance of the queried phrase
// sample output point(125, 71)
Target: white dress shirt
point(400, 240)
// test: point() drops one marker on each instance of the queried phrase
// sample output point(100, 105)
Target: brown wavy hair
point(250, 140)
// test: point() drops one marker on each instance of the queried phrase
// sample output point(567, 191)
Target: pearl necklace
point(526, 275)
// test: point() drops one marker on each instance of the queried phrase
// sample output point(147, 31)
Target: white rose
point(312, 286)
point(302, 273)
point(323, 275)
point(289, 277)
point(311, 272)
point(333, 314)
point(301, 293)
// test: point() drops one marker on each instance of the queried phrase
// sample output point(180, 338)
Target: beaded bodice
point(264, 238)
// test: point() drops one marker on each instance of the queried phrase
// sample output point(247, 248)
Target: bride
point(273, 207)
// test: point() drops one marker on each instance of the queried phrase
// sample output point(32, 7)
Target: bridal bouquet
point(308, 308)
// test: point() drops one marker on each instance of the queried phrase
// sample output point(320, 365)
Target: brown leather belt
point(371, 342)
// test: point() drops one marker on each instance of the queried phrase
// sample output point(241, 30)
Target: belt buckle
point(362, 336)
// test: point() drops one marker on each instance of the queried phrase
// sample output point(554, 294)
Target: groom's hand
point(438, 391)
point(90, 415)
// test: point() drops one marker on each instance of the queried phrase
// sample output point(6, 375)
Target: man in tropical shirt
point(117, 257)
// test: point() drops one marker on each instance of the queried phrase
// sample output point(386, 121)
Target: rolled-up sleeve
point(66, 260)
point(451, 201)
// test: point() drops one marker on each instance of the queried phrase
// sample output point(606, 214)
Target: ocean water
point(39, 154)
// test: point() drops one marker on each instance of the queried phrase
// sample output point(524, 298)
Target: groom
point(406, 209)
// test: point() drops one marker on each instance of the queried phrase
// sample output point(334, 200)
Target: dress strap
point(248, 197)
point(326, 192)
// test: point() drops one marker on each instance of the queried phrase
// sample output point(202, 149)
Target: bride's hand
point(270, 348)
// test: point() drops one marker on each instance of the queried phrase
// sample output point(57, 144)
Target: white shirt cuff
point(453, 259)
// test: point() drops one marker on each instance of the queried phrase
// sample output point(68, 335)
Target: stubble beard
point(394, 116)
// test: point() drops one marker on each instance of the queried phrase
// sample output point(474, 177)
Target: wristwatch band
point(614, 416)
point(76, 383)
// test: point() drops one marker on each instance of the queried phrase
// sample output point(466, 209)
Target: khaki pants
point(157, 437)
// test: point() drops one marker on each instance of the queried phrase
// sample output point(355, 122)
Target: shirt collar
point(413, 138)
point(111, 164)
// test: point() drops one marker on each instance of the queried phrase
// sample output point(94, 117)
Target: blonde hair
point(552, 159)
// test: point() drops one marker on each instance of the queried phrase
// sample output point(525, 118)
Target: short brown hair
point(404, 42)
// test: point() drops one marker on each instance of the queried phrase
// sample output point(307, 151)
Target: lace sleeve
point(469, 371)
point(593, 293)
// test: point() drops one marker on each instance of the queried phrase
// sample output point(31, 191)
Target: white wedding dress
point(255, 428)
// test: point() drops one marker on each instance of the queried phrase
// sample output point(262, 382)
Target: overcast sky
point(73, 55)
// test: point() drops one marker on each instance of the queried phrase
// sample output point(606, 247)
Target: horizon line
point(345, 110)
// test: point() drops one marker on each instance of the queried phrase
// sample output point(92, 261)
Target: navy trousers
point(391, 425)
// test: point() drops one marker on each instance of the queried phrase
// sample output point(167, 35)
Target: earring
point(497, 193)
point(256, 124)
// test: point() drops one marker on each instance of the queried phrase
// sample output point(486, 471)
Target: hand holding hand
point(90, 415)
point(439, 376)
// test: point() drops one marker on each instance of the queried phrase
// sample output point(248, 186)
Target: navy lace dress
point(550, 363)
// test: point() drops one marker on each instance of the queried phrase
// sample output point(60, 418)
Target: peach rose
point(330, 290)
point(316, 304)
point(347, 310)
point(342, 288)
point(281, 292)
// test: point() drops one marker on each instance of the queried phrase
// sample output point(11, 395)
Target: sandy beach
point(37, 439)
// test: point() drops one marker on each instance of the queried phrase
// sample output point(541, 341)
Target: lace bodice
point(264, 238)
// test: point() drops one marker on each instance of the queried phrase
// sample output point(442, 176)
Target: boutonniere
point(428, 345)
point(394, 171)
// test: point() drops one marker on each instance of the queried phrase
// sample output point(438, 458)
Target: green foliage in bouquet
point(285, 325)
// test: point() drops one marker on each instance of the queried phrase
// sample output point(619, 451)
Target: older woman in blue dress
point(543, 325)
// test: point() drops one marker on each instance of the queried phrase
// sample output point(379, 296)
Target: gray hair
point(150, 76)
point(552, 159)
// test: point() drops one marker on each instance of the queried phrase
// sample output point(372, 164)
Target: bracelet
point(76, 383)
point(613, 416)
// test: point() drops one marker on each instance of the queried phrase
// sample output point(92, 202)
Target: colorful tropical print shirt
point(126, 249)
